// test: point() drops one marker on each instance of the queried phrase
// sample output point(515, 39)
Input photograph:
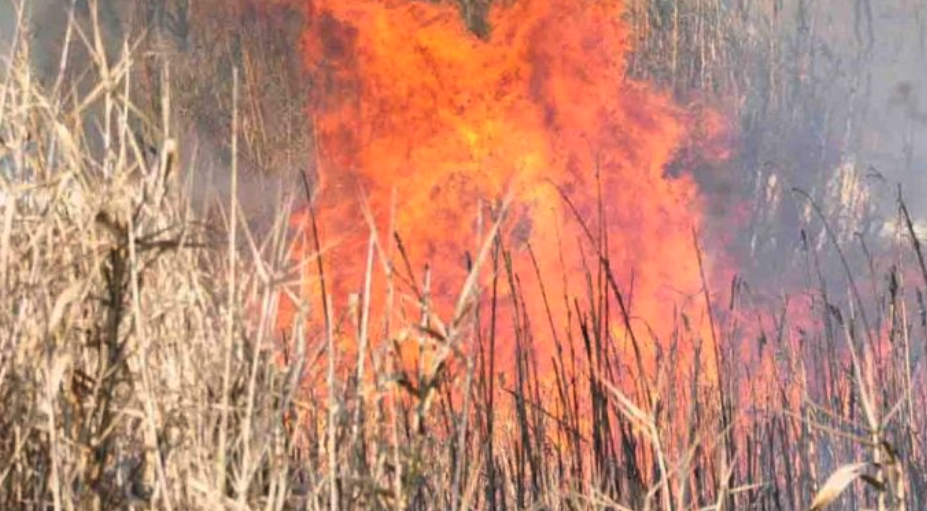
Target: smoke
point(873, 82)
point(193, 48)
point(826, 98)
point(44, 27)
point(7, 27)
point(867, 68)
point(831, 98)
point(892, 124)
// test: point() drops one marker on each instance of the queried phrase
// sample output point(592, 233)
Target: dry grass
point(142, 364)
point(114, 311)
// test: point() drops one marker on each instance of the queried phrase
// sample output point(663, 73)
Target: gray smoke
point(44, 27)
point(834, 91)
point(201, 43)
point(868, 62)
point(834, 103)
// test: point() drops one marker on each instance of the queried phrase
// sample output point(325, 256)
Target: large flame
point(422, 122)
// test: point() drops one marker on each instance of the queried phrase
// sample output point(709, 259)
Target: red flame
point(423, 122)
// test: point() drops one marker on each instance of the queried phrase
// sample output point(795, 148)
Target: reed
point(144, 363)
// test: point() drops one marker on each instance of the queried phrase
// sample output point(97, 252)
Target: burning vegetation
point(407, 254)
point(429, 130)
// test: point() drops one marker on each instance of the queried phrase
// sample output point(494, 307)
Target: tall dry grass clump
point(144, 363)
point(138, 357)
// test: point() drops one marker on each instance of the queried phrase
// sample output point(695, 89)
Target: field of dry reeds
point(142, 363)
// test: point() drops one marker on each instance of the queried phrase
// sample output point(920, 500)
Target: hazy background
point(824, 96)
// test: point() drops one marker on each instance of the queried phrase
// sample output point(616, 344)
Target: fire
point(428, 126)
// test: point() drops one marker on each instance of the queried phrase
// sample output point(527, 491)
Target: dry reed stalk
point(142, 365)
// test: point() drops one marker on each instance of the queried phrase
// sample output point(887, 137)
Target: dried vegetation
point(141, 363)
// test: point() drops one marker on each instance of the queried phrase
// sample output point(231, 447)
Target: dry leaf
point(836, 483)
point(69, 296)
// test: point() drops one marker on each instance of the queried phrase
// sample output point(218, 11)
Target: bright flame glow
point(426, 122)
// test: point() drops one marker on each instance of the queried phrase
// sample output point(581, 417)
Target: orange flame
point(423, 121)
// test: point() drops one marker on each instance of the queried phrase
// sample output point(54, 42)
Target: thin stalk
point(222, 445)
